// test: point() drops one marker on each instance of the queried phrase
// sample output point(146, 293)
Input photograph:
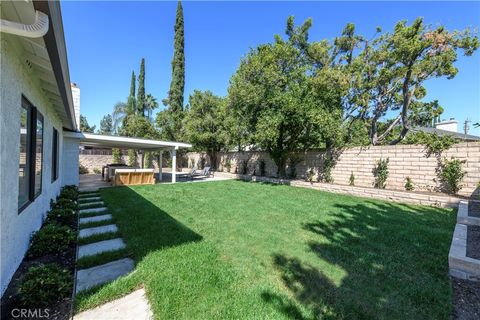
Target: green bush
point(326, 173)
point(351, 180)
point(69, 192)
point(451, 174)
point(97, 171)
point(116, 156)
point(228, 165)
point(65, 203)
point(380, 172)
point(45, 284)
point(82, 169)
point(51, 238)
point(409, 184)
point(62, 216)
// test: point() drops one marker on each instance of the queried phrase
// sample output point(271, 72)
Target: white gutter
point(36, 30)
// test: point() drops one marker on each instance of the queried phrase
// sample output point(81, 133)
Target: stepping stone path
point(97, 275)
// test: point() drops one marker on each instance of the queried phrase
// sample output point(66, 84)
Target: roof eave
point(57, 52)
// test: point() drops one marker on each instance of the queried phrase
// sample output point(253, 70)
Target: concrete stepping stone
point(91, 277)
point(83, 233)
point(96, 218)
point(100, 247)
point(132, 306)
point(90, 199)
point(97, 203)
point(101, 209)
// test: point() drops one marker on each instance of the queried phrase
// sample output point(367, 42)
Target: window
point(31, 154)
point(38, 154)
point(25, 159)
point(54, 155)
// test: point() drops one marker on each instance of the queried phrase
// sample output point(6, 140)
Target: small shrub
point(380, 173)
point(69, 192)
point(409, 184)
point(97, 171)
point(262, 167)
point(52, 238)
point(45, 284)
point(328, 164)
point(132, 158)
point(310, 175)
point(65, 203)
point(116, 156)
point(351, 180)
point(82, 169)
point(228, 165)
point(62, 216)
point(451, 174)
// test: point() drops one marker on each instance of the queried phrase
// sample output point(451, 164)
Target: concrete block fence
point(404, 161)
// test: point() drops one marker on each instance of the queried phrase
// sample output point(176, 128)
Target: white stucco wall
point(70, 161)
point(16, 228)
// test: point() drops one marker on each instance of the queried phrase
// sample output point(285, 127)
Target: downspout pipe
point(36, 30)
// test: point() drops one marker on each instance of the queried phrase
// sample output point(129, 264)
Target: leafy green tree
point(150, 105)
point(139, 126)
point(390, 72)
point(140, 102)
point(131, 103)
point(204, 124)
point(120, 112)
point(425, 114)
point(106, 125)
point(84, 126)
point(170, 120)
point(285, 102)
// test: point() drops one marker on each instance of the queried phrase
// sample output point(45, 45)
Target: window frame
point(32, 116)
point(34, 145)
point(55, 153)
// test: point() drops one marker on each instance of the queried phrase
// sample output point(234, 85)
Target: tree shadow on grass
point(394, 261)
point(145, 229)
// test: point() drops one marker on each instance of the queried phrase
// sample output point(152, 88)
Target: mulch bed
point(473, 242)
point(474, 208)
point(61, 310)
point(466, 299)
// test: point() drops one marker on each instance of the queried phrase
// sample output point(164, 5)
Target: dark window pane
point(38, 155)
point(23, 171)
point(54, 155)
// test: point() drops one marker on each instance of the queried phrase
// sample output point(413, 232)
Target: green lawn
point(238, 250)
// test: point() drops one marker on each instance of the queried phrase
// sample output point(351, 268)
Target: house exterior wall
point(70, 161)
point(18, 79)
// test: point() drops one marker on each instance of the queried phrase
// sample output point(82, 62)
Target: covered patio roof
point(105, 141)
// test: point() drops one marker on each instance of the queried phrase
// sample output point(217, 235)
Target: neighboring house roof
point(46, 57)
point(105, 141)
point(440, 132)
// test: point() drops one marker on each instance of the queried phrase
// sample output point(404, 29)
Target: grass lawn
point(239, 250)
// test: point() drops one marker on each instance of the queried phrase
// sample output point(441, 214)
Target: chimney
point(448, 125)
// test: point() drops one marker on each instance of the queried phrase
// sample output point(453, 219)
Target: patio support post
point(174, 165)
point(160, 161)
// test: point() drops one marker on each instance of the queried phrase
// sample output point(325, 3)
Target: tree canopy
point(205, 124)
point(84, 126)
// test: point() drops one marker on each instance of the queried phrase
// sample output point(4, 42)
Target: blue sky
point(106, 40)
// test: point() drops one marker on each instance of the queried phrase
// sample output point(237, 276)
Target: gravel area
point(473, 242)
point(466, 299)
point(474, 208)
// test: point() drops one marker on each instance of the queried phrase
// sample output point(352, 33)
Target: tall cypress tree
point(177, 86)
point(131, 98)
point(141, 89)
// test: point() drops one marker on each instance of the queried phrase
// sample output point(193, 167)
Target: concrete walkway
point(111, 270)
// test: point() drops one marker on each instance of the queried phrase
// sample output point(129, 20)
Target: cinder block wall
point(404, 161)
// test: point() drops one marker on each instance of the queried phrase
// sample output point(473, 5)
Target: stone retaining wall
point(438, 200)
point(404, 161)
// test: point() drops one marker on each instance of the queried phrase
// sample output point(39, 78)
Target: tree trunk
point(212, 154)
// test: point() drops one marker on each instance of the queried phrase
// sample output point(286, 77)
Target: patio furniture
point(133, 177)
point(187, 175)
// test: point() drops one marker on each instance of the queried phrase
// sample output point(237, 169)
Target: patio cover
point(105, 141)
